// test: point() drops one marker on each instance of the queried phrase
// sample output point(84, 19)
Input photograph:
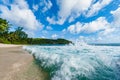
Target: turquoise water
point(79, 62)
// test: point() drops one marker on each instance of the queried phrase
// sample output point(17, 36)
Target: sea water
point(78, 62)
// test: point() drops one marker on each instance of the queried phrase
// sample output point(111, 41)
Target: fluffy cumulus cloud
point(114, 31)
point(72, 9)
point(48, 5)
point(97, 25)
point(54, 36)
point(108, 32)
point(116, 16)
point(91, 27)
point(51, 20)
point(75, 28)
point(19, 14)
point(112, 37)
point(69, 10)
point(45, 5)
point(35, 7)
point(95, 7)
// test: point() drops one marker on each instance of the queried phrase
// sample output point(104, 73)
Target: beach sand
point(17, 64)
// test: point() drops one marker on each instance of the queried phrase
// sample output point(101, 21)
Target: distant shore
point(17, 64)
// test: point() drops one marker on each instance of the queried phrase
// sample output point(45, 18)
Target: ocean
point(78, 62)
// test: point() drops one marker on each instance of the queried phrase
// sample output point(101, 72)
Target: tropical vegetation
point(20, 37)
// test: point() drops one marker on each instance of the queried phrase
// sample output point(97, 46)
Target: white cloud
point(43, 37)
point(99, 24)
point(20, 15)
point(91, 27)
point(110, 38)
point(47, 5)
point(75, 28)
point(54, 36)
point(50, 20)
point(44, 6)
point(116, 16)
point(63, 33)
point(49, 28)
point(95, 7)
point(112, 33)
point(30, 33)
point(107, 31)
point(54, 21)
point(35, 7)
point(64, 30)
point(72, 9)
point(109, 34)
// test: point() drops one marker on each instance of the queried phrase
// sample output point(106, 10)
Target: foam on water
point(79, 62)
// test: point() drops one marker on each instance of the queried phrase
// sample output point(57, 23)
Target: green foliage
point(4, 26)
point(21, 34)
point(20, 37)
point(48, 41)
point(4, 40)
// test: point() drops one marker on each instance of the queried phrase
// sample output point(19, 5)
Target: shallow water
point(79, 62)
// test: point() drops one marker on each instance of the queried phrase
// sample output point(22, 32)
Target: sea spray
point(79, 62)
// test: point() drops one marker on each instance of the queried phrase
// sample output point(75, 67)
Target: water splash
point(79, 61)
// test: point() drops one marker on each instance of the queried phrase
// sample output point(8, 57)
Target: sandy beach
point(17, 64)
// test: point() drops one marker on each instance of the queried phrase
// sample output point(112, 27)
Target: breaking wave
point(78, 62)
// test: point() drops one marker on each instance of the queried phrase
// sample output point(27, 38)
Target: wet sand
point(17, 64)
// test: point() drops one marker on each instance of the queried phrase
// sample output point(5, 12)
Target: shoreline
point(9, 45)
point(17, 64)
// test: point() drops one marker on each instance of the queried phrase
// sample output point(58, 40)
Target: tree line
point(20, 37)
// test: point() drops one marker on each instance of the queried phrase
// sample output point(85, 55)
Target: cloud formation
point(47, 5)
point(95, 7)
point(91, 27)
point(92, 20)
point(108, 32)
point(72, 9)
point(116, 16)
point(69, 10)
point(54, 36)
point(19, 14)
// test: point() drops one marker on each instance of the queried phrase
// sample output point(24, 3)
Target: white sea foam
point(79, 62)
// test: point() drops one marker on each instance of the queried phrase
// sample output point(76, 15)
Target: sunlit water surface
point(78, 62)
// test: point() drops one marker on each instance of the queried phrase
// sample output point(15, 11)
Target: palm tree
point(4, 25)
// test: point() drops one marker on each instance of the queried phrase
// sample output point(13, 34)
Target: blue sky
point(88, 20)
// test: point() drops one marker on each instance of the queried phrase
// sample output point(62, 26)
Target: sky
point(92, 21)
